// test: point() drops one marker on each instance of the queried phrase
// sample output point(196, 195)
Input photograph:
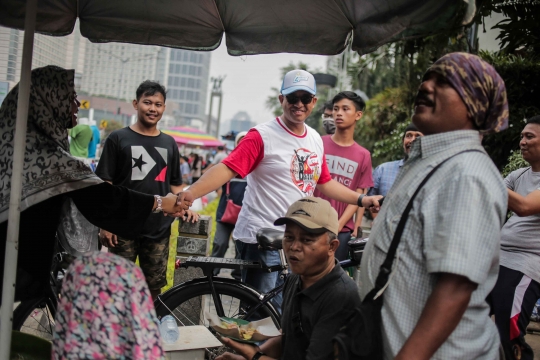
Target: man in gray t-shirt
point(518, 285)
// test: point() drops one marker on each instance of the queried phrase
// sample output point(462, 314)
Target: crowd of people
point(448, 258)
point(459, 261)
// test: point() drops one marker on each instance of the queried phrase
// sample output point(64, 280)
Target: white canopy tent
point(324, 27)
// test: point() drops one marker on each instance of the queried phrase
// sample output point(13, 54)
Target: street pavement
point(533, 338)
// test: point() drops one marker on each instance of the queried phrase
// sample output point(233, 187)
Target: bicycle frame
point(162, 298)
point(208, 264)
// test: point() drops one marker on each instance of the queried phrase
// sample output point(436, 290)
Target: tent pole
point(12, 243)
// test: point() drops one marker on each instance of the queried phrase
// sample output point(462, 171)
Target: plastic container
point(169, 329)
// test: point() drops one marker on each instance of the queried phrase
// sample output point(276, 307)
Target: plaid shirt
point(453, 227)
point(384, 176)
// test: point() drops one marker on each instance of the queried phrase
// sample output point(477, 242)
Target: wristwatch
point(360, 198)
point(159, 203)
point(257, 355)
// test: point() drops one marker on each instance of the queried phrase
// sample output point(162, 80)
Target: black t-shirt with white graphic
point(148, 164)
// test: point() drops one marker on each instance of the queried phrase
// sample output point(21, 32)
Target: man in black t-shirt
point(142, 158)
point(318, 294)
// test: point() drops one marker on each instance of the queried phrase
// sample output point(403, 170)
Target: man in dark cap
point(385, 174)
point(447, 259)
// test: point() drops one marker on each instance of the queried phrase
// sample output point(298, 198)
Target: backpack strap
point(386, 267)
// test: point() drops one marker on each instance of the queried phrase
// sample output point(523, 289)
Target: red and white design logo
point(305, 170)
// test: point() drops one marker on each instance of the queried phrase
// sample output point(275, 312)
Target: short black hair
point(220, 148)
point(149, 88)
point(534, 120)
point(327, 106)
point(410, 127)
point(359, 103)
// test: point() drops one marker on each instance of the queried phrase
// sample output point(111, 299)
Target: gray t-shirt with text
point(520, 236)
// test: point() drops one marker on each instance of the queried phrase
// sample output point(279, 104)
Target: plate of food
point(242, 330)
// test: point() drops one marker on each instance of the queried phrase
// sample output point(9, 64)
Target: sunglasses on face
point(305, 99)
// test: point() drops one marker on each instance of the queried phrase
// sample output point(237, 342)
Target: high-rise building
point(66, 52)
point(186, 74)
point(115, 69)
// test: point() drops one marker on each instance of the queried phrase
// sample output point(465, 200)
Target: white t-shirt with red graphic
point(281, 167)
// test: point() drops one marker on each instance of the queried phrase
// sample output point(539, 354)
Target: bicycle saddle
point(270, 239)
point(358, 243)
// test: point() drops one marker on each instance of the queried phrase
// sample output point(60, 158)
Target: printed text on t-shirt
point(342, 169)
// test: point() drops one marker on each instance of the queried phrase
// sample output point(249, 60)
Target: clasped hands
point(176, 205)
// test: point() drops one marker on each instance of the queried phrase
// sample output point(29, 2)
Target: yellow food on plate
point(247, 334)
point(228, 325)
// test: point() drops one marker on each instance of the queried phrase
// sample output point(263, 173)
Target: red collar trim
point(289, 131)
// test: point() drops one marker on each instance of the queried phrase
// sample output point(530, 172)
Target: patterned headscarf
point(49, 169)
point(106, 312)
point(480, 87)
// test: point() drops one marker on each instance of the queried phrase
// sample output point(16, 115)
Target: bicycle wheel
point(35, 317)
point(189, 302)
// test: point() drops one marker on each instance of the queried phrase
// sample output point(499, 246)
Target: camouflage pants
point(153, 256)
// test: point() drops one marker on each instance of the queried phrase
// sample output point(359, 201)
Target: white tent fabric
point(250, 26)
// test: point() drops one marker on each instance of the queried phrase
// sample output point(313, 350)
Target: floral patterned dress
point(106, 312)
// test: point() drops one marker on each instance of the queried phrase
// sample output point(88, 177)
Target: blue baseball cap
point(298, 80)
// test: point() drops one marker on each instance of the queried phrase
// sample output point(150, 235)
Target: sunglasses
point(305, 99)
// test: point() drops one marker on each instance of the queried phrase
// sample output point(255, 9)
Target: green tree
point(390, 77)
point(520, 29)
point(522, 79)
point(383, 123)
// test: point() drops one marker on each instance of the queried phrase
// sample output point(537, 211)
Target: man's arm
point(241, 161)
point(271, 348)
point(524, 205)
point(441, 315)
point(339, 192)
point(209, 181)
point(359, 214)
point(350, 210)
point(108, 239)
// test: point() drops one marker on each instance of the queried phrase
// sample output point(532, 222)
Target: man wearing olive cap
point(447, 260)
point(318, 293)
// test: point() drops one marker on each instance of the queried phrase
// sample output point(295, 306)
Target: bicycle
point(36, 316)
point(188, 302)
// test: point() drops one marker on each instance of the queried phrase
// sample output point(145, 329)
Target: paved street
point(533, 339)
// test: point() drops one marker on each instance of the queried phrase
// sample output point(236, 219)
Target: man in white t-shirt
point(283, 160)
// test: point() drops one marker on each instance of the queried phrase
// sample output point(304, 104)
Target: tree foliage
point(515, 161)
point(522, 78)
point(520, 29)
point(381, 127)
point(390, 77)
